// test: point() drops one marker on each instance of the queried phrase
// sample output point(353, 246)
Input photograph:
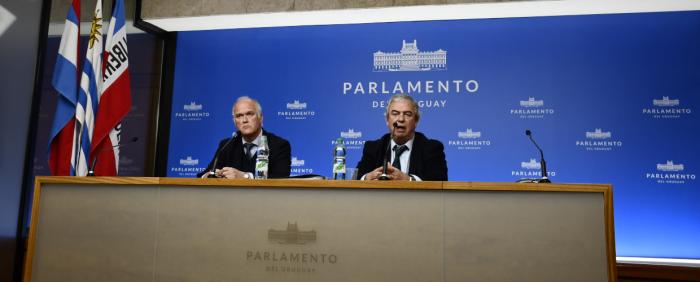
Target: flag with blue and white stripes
point(90, 87)
point(65, 80)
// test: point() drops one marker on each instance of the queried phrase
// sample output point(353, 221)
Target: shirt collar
point(409, 143)
point(256, 141)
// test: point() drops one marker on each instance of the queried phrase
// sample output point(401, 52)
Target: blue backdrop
point(611, 99)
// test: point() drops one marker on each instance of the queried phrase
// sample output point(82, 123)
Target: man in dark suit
point(419, 158)
point(236, 158)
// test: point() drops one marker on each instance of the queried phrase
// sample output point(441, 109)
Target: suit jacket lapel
point(236, 151)
point(415, 163)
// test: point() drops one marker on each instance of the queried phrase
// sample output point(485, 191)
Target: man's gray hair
point(398, 97)
point(246, 98)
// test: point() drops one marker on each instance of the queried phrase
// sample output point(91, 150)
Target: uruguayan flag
point(90, 86)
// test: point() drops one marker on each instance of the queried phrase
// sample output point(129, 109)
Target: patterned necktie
point(398, 150)
point(248, 149)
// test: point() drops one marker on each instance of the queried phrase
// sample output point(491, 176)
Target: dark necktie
point(248, 149)
point(398, 150)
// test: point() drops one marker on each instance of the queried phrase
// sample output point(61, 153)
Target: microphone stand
point(387, 155)
point(543, 167)
point(212, 173)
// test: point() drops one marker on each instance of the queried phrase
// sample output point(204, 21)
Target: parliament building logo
point(410, 58)
point(469, 134)
point(531, 169)
point(296, 162)
point(296, 110)
point(469, 140)
point(189, 161)
point(192, 112)
point(192, 107)
point(299, 167)
point(188, 167)
point(292, 235)
point(666, 108)
point(351, 134)
point(291, 260)
point(666, 102)
point(598, 140)
point(669, 166)
point(670, 173)
point(598, 134)
point(532, 164)
point(296, 105)
point(352, 139)
point(532, 103)
point(531, 109)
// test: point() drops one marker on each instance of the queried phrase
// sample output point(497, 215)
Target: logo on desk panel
point(598, 140)
point(469, 140)
point(531, 108)
point(191, 112)
point(292, 251)
point(296, 110)
point(670, 173)
point(291, 235)
point(666, 108)
point(410, 58)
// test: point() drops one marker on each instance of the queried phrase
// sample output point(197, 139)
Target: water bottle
point(262, 162)
point(339, 159)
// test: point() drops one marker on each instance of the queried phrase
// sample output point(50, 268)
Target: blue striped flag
point(90, 87)
point(65, 81)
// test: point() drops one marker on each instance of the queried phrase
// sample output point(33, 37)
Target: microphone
point(387, 154)
point(544, 178)
point(216, 156)
point(91, 170)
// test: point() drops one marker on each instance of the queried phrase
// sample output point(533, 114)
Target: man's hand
point(230, 173)
point(392, 172)
point(396, 174)
point(374, 175)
